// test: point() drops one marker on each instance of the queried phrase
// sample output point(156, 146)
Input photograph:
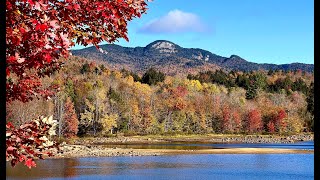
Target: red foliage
point(179, 91)
point(28, 142)
point(38, 33)
point(204, 77)
point(178, 94)
point(92, 66)
point(278, 121)
point(254, 121)
point(271, 127)
point(237, 121)
point(226, 121)
point(70, 119)
point(180, 104)
point(146, 121)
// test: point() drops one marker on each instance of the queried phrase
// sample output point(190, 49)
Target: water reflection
point(52, 167)
point(223, 166)
point(70, 167)
point(202, 145)
point(160, 146)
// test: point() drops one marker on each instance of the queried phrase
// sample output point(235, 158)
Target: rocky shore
point(264, 139)
point(93, 147)
point(70, 151)
point(200, 138)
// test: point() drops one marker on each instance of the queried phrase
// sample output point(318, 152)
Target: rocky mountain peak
point(163, 46)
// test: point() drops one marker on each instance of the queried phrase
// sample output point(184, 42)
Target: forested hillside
point(173, 59)
point(93, 99)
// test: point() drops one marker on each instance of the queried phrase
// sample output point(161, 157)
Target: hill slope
point(173, 59)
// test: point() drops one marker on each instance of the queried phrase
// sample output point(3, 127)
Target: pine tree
point(152, 77)
point(252, 91)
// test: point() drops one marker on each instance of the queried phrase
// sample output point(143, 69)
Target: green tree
point(69, 89)
point(242, 81)
point(85, 68)
point(251, 93)
point(152, 77)
point(260, 80)
point(300, 85)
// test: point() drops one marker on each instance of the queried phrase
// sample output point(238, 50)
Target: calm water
point(220, 166)
point(201, 145)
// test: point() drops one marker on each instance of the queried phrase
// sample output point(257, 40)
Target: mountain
point(173, 59)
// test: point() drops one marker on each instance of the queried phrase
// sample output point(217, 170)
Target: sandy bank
point(71, 151)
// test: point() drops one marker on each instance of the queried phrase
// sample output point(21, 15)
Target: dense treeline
point(273, 81)
point(92, 99)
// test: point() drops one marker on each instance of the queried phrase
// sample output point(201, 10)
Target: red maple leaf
point(30, 163)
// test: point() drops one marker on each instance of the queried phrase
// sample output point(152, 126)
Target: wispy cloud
point(175, 21)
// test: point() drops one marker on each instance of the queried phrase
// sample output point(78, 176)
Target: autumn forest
point(93, 100)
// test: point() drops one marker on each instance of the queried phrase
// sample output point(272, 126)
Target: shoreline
point(77, 151)
point(93, 147)
point(208, 138)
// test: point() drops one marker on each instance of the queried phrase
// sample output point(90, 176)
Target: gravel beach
point(93, 147)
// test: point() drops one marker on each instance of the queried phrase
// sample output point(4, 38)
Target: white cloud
point(175, 21)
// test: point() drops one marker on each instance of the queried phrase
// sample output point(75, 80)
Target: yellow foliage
point(294, 124)
point(99, 83)
point(224, 89)
point(130, 80)
point(88, 86)
point(205, 85)
point(213, 89)
point(242, 100)
point(107, 72)
point(135, 108)
point(168, 80)
point(117, 74)
point(142, 88)
point(193, 85)
point(86, 118)
point(109, 121)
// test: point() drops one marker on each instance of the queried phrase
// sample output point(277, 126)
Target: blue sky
point(262, 31)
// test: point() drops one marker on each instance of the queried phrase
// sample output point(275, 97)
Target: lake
point(205, 145)
point(213, 166)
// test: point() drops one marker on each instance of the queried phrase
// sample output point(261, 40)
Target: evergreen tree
point(69, 89)
point(251, 93)
point(152, 77)
point(127, 73)
point(85, 68)
point(300, 85)
point(287, 83)
point(220, 77)
point(260, 81)
point(102, 68)
point(242, 81)
point(270, 72)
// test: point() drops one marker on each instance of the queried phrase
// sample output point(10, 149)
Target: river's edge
point(76, 151)
point(92, 147)
point(209, 138)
